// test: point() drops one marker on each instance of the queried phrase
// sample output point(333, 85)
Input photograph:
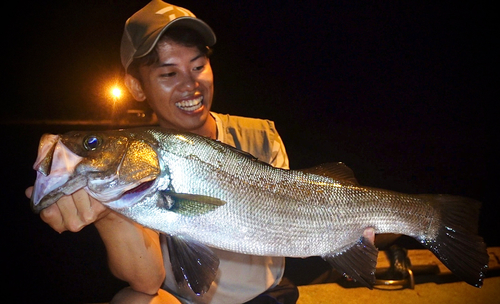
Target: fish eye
point(91, 142)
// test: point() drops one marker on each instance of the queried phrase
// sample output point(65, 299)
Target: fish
point(203, 194)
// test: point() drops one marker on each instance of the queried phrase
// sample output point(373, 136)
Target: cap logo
point(173, 16)
point(164, 10)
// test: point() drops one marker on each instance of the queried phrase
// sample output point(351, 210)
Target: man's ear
point(135, 88)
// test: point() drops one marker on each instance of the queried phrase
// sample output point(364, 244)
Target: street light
point(116, 93)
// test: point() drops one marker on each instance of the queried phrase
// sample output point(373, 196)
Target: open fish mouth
point(140, 189)
point(126, 198)
point(55, 165)
point(126, 172)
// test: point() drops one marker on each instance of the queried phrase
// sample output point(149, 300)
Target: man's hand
point(369, 234)
point(72, 212)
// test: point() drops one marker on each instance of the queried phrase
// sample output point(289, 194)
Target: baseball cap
point(145, 27)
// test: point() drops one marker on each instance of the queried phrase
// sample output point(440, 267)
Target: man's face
point(179, 87)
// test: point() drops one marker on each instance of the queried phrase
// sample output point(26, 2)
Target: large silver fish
point(203, 193)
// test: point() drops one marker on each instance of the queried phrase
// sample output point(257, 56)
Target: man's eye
point(199, 68)
point(172, 74)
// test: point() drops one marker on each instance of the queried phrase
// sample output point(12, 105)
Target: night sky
point(402, 92)
point(383, 65)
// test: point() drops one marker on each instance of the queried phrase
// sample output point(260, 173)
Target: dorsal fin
point(337, 171)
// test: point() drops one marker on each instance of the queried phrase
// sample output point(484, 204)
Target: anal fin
point(357, 262)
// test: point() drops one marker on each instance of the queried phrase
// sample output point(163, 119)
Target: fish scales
point(293, 213)
point(200, 191)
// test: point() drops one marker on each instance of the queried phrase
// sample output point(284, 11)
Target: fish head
point(108, 165)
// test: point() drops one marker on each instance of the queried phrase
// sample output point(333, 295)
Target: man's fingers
point(53, 217)
point(369, 234)
point(83, 206)
point(28, 192)
point(70, 213)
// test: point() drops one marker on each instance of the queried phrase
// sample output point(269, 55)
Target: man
point(165, 53)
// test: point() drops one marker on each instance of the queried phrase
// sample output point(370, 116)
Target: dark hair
point(182, 35)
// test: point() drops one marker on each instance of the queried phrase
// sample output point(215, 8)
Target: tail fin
point(457, 244)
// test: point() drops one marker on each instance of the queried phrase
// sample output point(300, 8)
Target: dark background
point(402, 92)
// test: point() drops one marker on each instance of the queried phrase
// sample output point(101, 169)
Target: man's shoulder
point(246, 123)
point(256, 136)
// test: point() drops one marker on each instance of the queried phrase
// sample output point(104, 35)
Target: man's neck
point(209, 129)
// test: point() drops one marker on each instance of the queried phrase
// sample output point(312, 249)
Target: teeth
point(190, 105)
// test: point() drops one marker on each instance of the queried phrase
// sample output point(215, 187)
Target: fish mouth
point(190, 105)
point(140, 188)
point(131, 196)
point(57, 175)
point(55, 165)
point(43, 196)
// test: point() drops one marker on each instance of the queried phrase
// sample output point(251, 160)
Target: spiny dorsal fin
point(337, 171)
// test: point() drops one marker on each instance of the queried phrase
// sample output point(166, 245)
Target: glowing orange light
point(116, 92)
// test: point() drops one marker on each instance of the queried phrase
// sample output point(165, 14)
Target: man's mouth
point(190, 105)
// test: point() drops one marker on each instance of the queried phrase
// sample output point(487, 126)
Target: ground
point(441, 287)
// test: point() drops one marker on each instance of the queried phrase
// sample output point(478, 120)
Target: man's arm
point(134, 253)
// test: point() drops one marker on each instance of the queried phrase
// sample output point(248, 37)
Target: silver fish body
point(202, 191)
point(275, 212)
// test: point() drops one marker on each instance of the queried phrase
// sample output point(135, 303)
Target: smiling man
point(176, 80)
point(165, 51)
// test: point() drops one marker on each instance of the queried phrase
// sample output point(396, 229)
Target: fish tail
point(457, 244)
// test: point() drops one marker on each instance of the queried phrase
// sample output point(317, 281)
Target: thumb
point(28, 192)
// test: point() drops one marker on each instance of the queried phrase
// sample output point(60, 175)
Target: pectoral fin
point(191, 205)
point(192, 263)
point(358, 262)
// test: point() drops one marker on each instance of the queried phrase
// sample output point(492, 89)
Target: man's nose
point(189, 83)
